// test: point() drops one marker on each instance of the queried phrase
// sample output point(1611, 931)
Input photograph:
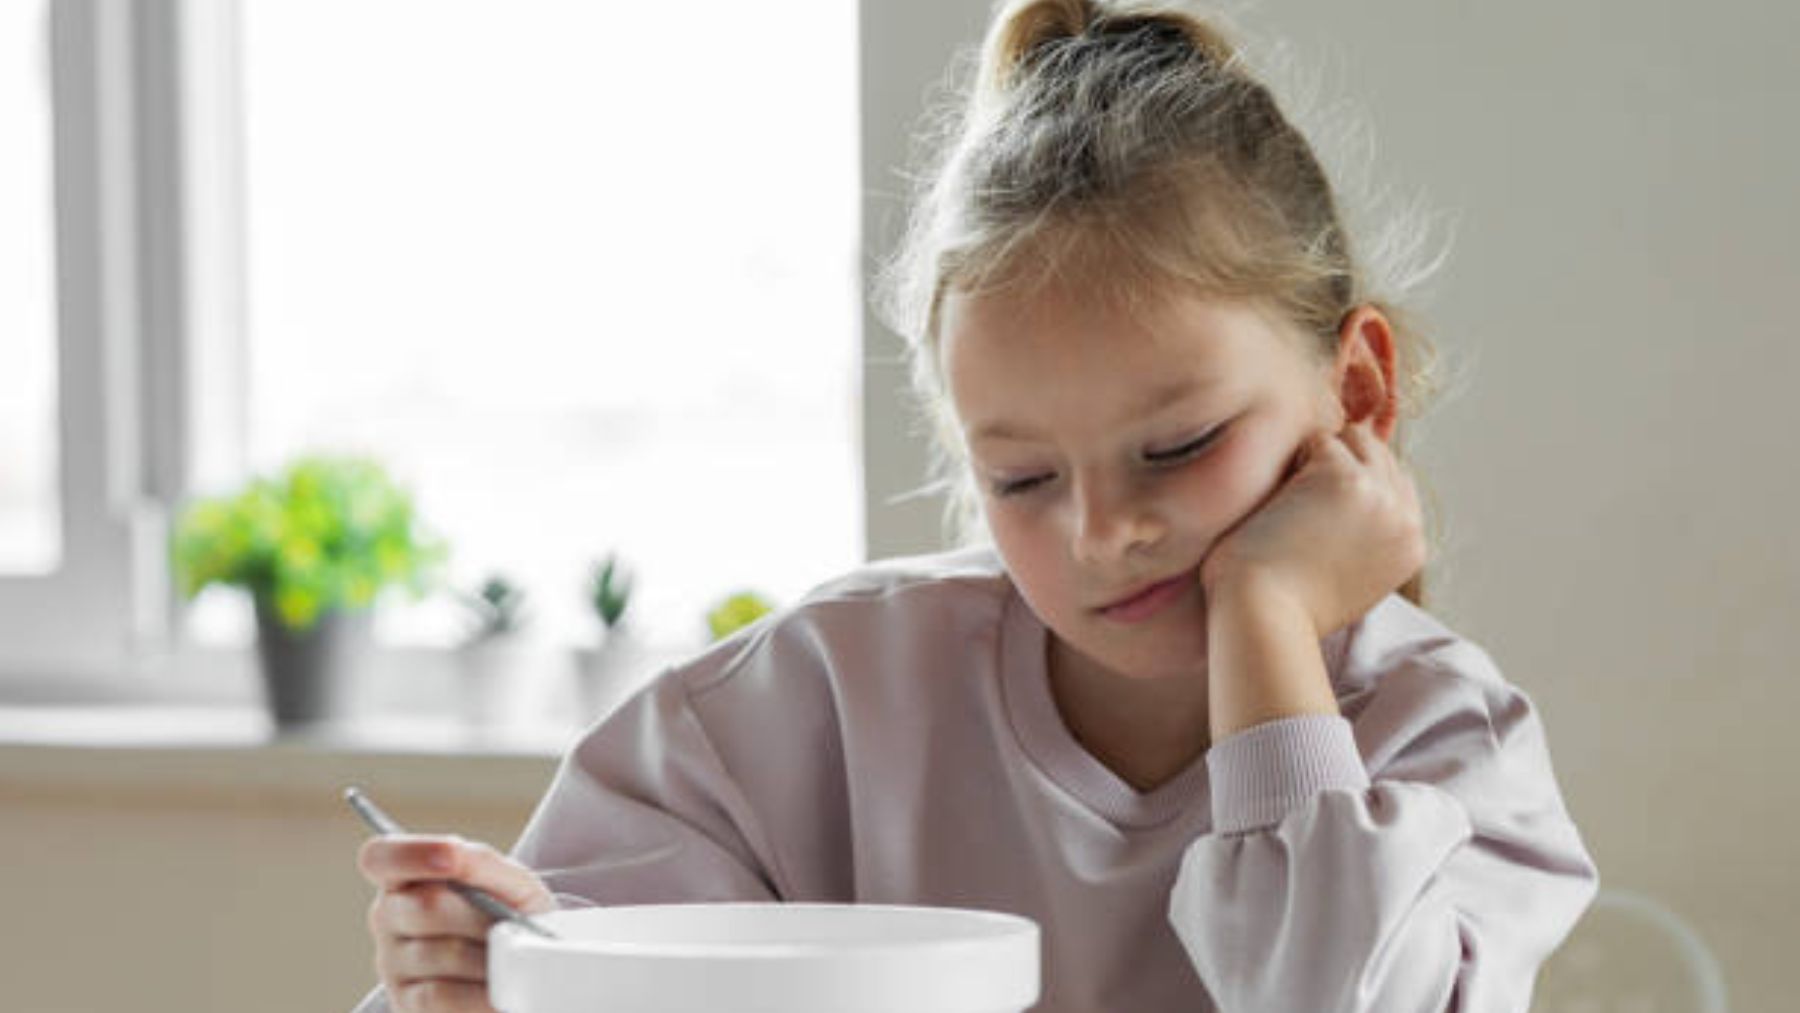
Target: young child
point(1180, 703)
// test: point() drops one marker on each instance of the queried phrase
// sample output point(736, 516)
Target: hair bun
point(1020, 28)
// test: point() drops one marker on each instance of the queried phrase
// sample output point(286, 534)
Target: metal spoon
point(384, 824)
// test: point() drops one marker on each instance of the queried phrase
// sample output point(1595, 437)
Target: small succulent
point(609, 591)
point(497, 607)
point(736, 611)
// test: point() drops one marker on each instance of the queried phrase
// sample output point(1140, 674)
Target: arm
point(642, 810)
point(1263, 660)
point(1423, 861)
point(1440, 884)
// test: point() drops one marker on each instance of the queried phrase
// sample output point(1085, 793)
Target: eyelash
point(1179, 454)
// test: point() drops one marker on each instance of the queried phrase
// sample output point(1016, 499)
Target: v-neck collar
point(1047, 740)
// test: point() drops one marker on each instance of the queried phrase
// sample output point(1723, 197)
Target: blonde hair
point(1129, 145)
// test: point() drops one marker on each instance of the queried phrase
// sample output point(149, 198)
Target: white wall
point(161, 876)
point(1617, 478)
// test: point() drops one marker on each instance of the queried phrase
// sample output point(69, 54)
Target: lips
point(1142, 590)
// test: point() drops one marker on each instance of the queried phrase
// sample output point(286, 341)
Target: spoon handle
point(383, 824)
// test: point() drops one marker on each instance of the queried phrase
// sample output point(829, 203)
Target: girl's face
point(1113, 449)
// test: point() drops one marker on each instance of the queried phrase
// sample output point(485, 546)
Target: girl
point(1169, 703)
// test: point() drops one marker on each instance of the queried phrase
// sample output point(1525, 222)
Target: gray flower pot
point(307, 674)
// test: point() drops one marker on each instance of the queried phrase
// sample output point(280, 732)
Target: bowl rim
point(987, 929)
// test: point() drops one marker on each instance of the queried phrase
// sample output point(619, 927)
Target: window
point(583, 276)
point(30, 525)
point(582, 291)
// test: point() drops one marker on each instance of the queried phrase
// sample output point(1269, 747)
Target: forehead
point(1008, 346)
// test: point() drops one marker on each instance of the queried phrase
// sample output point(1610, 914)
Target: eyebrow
point(1156, 400)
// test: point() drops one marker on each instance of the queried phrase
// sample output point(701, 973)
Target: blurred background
point(590, 283)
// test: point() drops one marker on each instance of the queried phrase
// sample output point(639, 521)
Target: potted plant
point(605, 670)
point(314, 546)
point(736, 611)
point(494, 656)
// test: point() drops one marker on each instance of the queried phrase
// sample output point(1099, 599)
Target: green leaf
point(326, 532)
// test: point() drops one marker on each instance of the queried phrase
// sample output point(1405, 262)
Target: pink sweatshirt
point(892, 739)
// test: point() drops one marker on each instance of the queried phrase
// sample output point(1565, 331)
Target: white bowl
point(766, 958)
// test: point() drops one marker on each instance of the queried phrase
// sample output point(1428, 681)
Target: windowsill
point(192, 723)
point(152, 727)
point(121, 754)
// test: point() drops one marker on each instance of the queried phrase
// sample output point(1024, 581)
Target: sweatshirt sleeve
point(642, 810)
point(1418, 859)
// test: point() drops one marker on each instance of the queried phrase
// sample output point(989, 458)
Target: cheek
point(1026, 543)
point(1034, 556)
point(1215, 492)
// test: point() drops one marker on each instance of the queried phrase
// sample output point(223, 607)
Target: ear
point(1363, 373)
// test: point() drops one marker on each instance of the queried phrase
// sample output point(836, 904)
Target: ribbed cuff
point(1263, 773)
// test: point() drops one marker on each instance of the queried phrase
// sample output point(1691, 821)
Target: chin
point(1164, 667)
point(1155, 651)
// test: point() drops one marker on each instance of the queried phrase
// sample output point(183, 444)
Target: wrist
point(1264, 661)
point(1249, 590)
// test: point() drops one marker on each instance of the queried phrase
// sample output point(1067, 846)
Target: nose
point(1113, 522)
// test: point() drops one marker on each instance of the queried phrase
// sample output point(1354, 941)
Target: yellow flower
point(299, 554)
point(297, 606)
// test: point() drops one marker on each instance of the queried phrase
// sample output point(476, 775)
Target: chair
point(1630, 954)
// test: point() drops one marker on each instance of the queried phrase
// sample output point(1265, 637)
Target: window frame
point(147, 200)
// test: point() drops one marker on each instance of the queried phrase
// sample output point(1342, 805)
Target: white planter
point(496, 679)
point(607, 675)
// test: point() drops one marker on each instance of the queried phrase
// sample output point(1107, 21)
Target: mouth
point(1148, 600)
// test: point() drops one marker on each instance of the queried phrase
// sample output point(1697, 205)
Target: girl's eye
point(1017, 486)
point(1186, 449)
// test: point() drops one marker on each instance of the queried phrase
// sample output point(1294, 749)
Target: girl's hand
point(1339, 534)
point(430, 943)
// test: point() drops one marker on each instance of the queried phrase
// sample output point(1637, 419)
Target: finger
point(1359, 438)
point(398, 859)
point(1409, 496)
point(1383, 457)
point(426, 909)
point(478, 864)
point(1311, 447)
point(443, 995)
point(420, 957)
point(1332, 448)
